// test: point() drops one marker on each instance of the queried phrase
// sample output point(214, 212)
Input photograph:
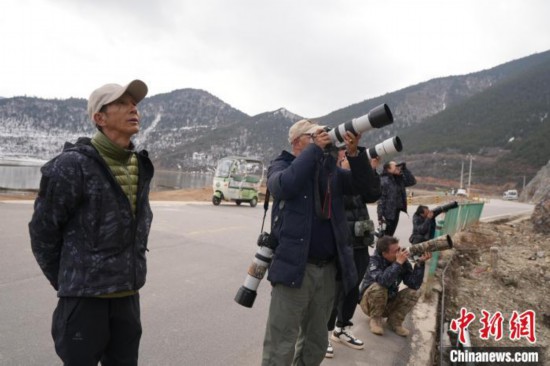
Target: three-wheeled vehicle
point(237, 179)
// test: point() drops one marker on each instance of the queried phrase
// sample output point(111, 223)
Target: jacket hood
point(81, 143)
point(285, 156)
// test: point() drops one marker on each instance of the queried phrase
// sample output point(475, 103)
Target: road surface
point(198, 259)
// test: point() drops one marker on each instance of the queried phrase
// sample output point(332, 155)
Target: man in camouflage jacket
point(380, 295)
point(89, 233)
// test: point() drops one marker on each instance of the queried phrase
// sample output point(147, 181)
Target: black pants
point(391, 225)
point(88, 330)
point(345, 304)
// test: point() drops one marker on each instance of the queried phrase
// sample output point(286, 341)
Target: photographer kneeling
point(380, 295)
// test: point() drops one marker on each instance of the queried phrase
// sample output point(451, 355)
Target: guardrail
point(456, 220)
point(459, 218)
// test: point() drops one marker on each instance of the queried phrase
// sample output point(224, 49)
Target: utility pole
point(470, 174)
point(462, 175)
point(523, 183)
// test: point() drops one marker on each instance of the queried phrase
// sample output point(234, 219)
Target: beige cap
point(110, 92)
point(302, 127)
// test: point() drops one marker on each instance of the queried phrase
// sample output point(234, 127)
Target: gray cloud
point(308, 56)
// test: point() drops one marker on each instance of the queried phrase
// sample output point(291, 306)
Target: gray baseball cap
point(108, 93)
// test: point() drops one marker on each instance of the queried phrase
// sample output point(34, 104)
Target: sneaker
point(345, 336)
point(330, 351)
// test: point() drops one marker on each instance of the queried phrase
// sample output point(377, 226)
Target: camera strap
point(322, 210)
point(266, 207)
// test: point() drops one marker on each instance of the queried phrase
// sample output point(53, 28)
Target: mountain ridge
point(190, 129)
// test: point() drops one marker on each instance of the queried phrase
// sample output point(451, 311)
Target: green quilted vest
point(123, 164)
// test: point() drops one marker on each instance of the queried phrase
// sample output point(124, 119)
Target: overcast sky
point(311, 56)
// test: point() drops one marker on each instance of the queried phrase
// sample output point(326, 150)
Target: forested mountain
point(506, 126)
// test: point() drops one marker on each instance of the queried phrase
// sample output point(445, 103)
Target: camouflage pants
point(375, 303)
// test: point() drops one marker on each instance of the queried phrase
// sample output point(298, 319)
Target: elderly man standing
point(309, 223)
point(89, 233)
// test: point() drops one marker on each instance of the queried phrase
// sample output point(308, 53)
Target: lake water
point(28, 177)
point(19, 177)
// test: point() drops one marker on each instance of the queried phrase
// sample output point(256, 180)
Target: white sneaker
point(330, 351)
point(345, 336)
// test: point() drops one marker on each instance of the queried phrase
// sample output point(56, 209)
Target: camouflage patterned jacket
point(390, 275)
point(393, 190)
point(83, 233)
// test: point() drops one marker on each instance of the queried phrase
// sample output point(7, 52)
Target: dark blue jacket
point(393, 190)
point(83, 233)
point(291, 181)
point(390, 275)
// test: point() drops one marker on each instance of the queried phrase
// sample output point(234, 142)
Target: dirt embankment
point(519, 281)
point(17, 195)
point(196, 194)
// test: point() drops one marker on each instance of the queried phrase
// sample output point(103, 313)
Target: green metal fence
point(459, 218)
point(456, 220)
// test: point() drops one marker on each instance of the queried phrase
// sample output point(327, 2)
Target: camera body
point(331, 149)
point(364, 229)
point(363, 226)
point(266, 240)
point(381, 231)
point(257, 270)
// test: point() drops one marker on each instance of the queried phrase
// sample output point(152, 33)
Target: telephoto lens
point(440, 243)
point(256, 271)
point(376, 118)
point(445, 208)
point(389, 146)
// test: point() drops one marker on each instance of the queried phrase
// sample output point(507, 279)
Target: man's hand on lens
point(321, 138)
point(424, 257)
point(351, 142)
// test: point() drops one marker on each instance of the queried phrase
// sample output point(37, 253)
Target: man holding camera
point(388, 267)
point(394, 178)
point(309, 224)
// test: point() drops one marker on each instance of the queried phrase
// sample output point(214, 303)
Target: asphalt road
point(198, 259)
